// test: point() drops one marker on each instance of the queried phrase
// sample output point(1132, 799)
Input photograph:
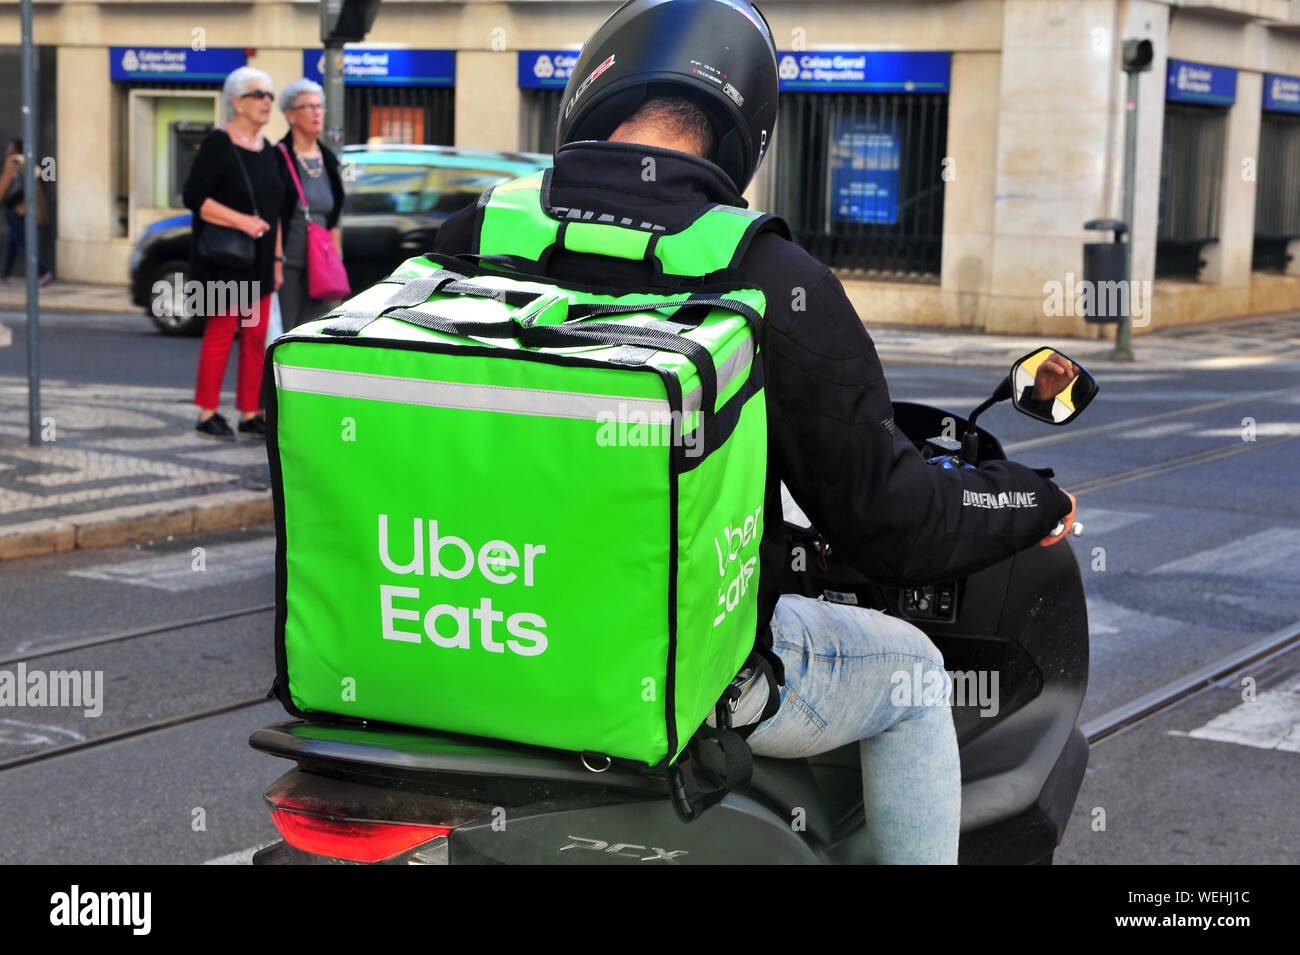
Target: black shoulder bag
point(226, 247)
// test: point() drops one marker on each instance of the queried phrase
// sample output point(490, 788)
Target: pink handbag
point(326, 277)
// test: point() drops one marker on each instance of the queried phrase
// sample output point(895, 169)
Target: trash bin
point(1104, 269)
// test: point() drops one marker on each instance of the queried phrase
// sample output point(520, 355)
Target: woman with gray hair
point(236, 189)
point(314, 170)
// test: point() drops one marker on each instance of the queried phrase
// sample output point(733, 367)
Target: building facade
point(942, 155)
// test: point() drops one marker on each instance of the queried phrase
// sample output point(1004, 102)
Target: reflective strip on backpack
point(737, 366)
point(449, 394)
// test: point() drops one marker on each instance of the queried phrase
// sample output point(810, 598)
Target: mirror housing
point(1049, 386)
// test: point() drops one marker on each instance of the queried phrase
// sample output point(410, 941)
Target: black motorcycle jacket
point(831, 434)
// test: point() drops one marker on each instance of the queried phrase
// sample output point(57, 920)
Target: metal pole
point(32, 210)
point(334, 97)
point(1123, 331)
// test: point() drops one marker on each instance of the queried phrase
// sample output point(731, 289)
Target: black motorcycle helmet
point(719, 54)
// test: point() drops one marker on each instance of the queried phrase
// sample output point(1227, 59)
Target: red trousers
point(218, 338)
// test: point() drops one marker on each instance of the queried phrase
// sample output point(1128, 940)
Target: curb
point(65, 300)
point(131, 525)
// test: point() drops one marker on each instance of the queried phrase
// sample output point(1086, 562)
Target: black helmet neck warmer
point(716, 181)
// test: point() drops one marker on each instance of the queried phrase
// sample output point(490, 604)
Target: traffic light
point(1137, 56)
point(346, 21)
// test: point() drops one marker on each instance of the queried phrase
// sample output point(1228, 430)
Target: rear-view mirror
point(1046, 384)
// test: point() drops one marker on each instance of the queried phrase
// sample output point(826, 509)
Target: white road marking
point(1232, 361)
point(1119, 378)
point(1270, 721)
point(1272, 554)
point(1101, 520)
point(949, 402)
point(242, 857)
point(224, 563)
point(34, 734)
point(1157, 430)
point(1263, 429)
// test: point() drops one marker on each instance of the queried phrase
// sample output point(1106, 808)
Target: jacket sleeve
point(206, 172)
point(882, 507)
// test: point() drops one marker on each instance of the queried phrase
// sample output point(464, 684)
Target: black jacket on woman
point(292, 207)
point(215, 176)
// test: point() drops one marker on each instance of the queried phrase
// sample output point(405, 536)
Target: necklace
point(314, 169)
point(248, 143)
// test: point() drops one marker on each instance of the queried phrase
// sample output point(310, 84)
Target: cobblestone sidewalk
point(128, 450)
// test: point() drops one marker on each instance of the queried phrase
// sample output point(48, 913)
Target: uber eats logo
point(498, 563)
point(733, 568)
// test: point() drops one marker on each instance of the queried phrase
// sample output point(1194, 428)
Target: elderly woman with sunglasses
point(317, 170)
point(237, 182)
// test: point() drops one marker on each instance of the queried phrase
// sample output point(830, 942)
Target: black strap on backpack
point(714, 763)
point(718, 759)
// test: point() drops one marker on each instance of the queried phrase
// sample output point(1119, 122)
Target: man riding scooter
point(672, 108)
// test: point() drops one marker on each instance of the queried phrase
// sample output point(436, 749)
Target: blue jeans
point(854, 674)
point(14, 242)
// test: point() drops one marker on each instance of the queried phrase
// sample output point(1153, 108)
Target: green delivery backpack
point(519, 511)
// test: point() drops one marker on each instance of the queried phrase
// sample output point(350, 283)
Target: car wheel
point(169, 309)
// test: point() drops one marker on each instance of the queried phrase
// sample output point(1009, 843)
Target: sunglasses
point(259, 94)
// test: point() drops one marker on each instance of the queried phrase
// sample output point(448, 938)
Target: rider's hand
point(1053, 377)
point(1067, 522)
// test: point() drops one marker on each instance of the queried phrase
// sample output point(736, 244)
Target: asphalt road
point(1195, 557)
point(111, 348)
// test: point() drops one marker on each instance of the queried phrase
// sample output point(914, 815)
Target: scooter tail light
point(356, 840)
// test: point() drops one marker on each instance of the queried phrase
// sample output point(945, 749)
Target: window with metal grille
point(1277, 195)
point(540, 109)
point(411, 115)
point(1191, 174)
point(858, 178)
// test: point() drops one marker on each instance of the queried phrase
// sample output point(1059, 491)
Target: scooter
point(1014, 637)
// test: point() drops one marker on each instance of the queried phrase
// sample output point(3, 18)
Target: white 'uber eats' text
point(447, 556)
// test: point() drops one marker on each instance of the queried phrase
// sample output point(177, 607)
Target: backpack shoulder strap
point(514, 223)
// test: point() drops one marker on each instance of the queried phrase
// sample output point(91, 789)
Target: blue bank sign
point(545, 69)
point(1281, 93)
point(1187, 82)
point(371, 67)
point(177, 64)
point(870, 72)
